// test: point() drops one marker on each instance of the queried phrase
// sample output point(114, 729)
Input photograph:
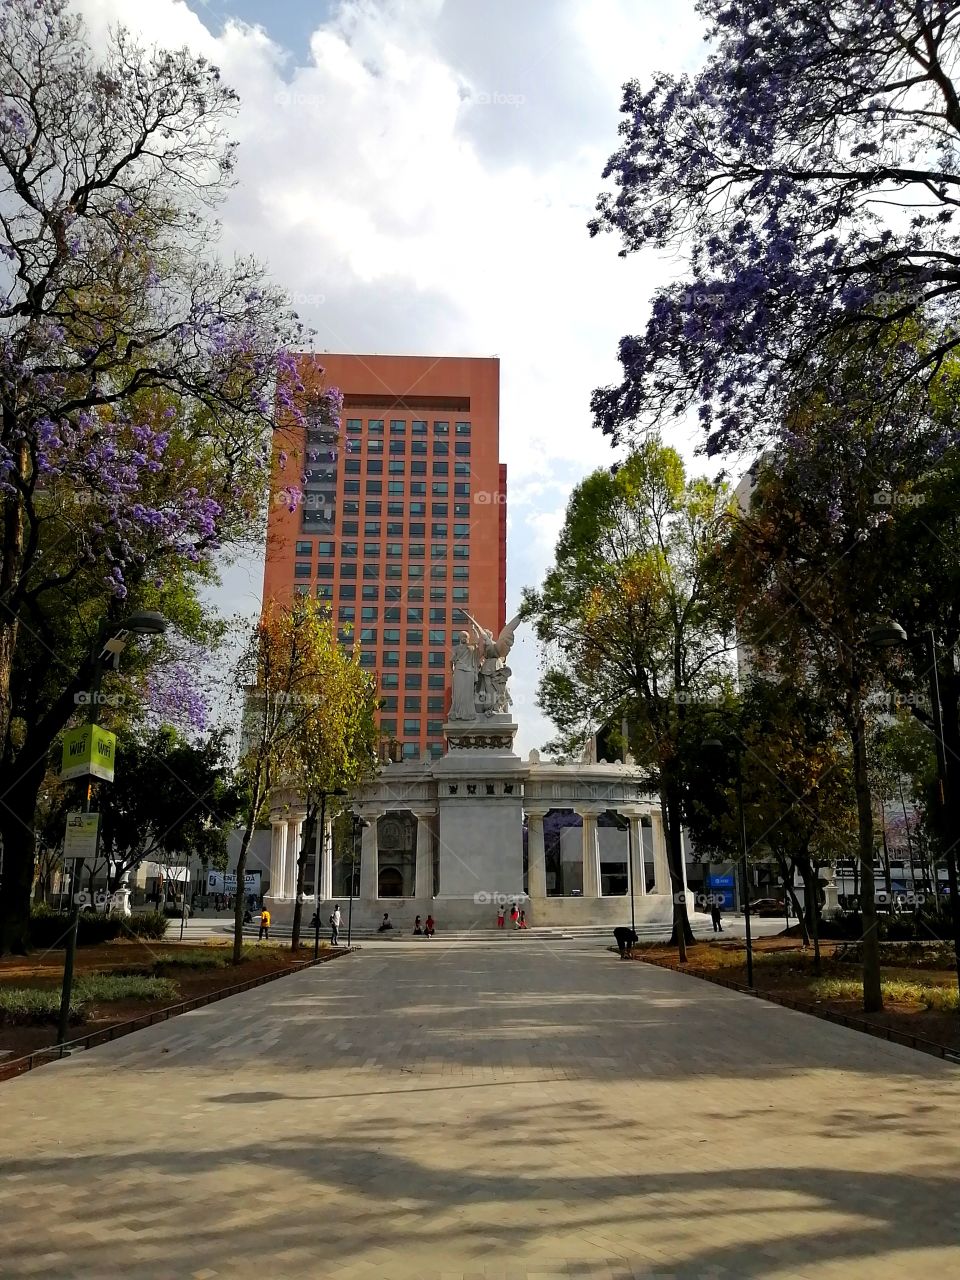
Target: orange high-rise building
point(402, 523)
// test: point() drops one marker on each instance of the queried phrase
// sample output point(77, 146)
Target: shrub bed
point(50, 928)
point(30, 1006)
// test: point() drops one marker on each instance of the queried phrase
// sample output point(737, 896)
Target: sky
point(419, 175)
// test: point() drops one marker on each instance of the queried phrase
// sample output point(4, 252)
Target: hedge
point(50, 928)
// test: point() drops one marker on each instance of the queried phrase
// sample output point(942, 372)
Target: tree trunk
point(309, 833)
point(240, 897)
point(682, 934)
point(872, 991)
point(790, 891)
point(17, 814)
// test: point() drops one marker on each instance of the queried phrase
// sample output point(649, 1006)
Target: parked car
point(766, 907)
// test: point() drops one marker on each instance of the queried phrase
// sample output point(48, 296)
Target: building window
point(440, 489)
point(461, 489)
point(390, 680)
point(371, 550)
point(397, 466)
point(351, 466)
point(348, 569)
point(346, 613)
point(392, 614)
point(412, 727)
point(374, 486)
point(350, 508)
point(411, 751)
point(391, 658)
point(436, 750)
point(374, 466)
point(441, 448)
point(463, 428)
point(438, 593)
point(412, 680)
point(395, 487)
point(372, 507)
point(418, 427)
point(416, 530)
point(394, 508)
point(325, 591)
point(394, 550)
point(303, 571)
point(461, 531)
point(306, 549)
point(325, 548)
point(461, 551)
point(414, 593)
point(462, 448)
point(441, 468)
point(347, 591)
point(438, 570)
point(368, 659)
point(371, 528)
point(398, 426)
point(370, 593)
point(460, 572)
point(301, 590)
point(371, 569)
point(438, 509)
point(375, 426)
point(417, 550)
point(414, 571)
point(414, 615)
point(418, 467)
point(389, 704)
point(441, 428)
point(368, 635)
point(351, 486)
point(418, 446)
point(349, 550)
point(354, 426)
point(436, 681)
point(368, 613)
point(374, 446)
point(437, 637)
point(461, 469)
point(395, 529)
point(414, 637)
point(434, 727)
point(437, 660)
point(418, 508)
point(398, 447)
point(434, 704)
point(391, 635)
point(438, 530)
point(391, 593)
point(388, 727)
point(438, 551)
point(460, 595)
point(438, 615)
point(461, 510)
point(350, 528)
point(325, 569)
point(394, 571)
point(411, 702)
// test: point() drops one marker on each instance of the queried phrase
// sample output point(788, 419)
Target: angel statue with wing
point(492, 695)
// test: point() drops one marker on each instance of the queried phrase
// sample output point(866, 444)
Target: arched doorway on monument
point(396, 854)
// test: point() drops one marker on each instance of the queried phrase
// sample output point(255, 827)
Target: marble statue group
point(480, 673)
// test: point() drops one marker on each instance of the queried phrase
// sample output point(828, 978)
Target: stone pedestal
point(831, 904)
point(480, 810)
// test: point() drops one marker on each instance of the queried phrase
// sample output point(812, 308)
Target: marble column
point(325, 863)
point(294, 834)
point(536, 854)
point(423, 875)
point(661, 866)
point(278, 844)
point(369, 860)
point(638, 871)
point(591, 855)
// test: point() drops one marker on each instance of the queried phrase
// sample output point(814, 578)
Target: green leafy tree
point(635, 626)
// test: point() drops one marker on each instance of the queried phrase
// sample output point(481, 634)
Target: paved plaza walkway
point(521, 1110)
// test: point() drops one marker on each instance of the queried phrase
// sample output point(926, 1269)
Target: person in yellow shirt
point(264, 925)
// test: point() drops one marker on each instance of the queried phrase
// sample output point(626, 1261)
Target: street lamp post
point(633, 905)
point(112, 642)
point(336, 791)
point(714, 744)
point(888, 635)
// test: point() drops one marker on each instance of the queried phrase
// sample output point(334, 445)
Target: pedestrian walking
point(264, 925)
point(500, 916)
point(715, 915)
point(334, 926)
point(429, 927)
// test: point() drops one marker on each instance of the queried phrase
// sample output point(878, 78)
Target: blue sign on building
point(722, 885)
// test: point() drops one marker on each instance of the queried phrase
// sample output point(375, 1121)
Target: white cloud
point(428, 173)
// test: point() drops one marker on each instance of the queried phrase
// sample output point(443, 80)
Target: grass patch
point(130, 986)
point(201, 959)
point(30, 1006)
point(941, 999)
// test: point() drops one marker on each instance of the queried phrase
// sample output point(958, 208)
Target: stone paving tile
point(530, 1114)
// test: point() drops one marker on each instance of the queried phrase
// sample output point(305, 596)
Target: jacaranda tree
point(809, 176)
